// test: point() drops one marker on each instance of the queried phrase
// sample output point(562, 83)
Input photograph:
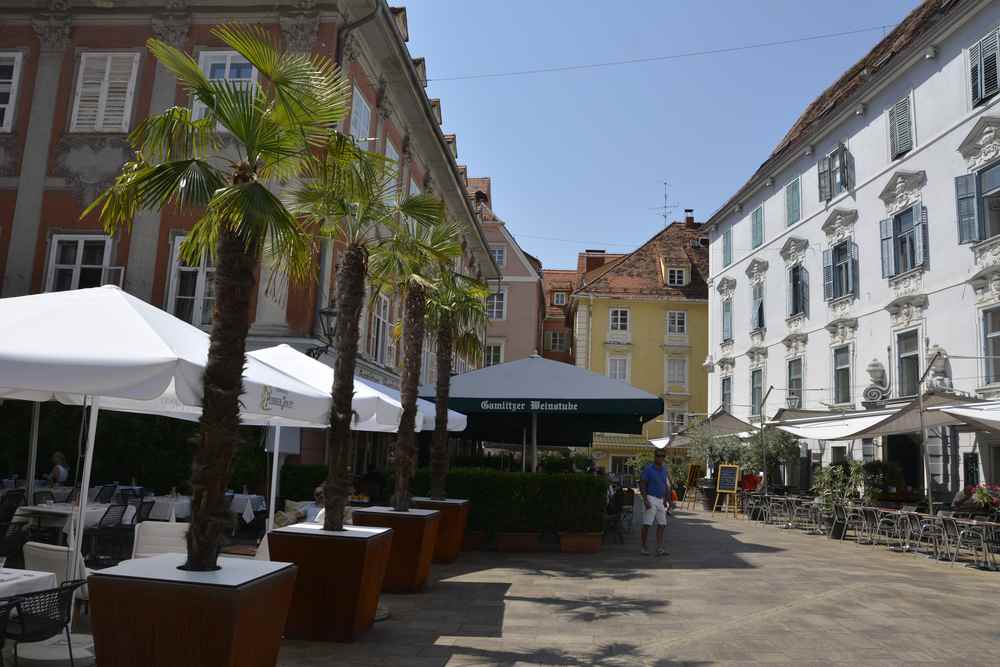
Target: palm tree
point(351, 195)
point(406, 264)
point(250, 141)
point(456, 313)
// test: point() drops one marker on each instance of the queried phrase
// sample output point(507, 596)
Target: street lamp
point(327, 325)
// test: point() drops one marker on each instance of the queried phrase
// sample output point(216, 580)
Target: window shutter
point(988, 60)
point(846, 166)
point(921, 251)
point(120, 90)
point(790, 302)
point(827, 274)
point(888, 259)
point(967, 204)
point(804, 291)
point(855, 269)
point(825, 186)
point(792, 203)
point(89, 87)
point(104, 92)
point(901, 127)
point(977, 91)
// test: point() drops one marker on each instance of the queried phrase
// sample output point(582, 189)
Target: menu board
point(728, 479)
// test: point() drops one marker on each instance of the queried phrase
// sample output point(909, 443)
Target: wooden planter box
point(414, 534)
point(340, 577)
point(474, 540)
point(451, 531)
point(518, 542)
point(580, 543)
point(147, 612)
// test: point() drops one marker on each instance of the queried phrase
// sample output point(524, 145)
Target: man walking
point(654, 485)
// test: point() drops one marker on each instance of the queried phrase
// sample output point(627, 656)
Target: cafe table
point(21, 582)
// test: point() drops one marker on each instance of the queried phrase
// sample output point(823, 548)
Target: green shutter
point(900, 127)
point(793, 203)
point(825, 183)
point(967, 203)
point(757, 227)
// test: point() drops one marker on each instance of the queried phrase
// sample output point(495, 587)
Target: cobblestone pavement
point(731, 591)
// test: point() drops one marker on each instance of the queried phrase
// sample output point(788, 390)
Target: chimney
point(689, 217)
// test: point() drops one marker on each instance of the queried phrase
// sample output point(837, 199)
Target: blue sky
point(582, 155)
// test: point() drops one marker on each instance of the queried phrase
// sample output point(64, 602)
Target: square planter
point(580, 543)
point(518, 542)
point(340, 577)
point(451, 531)
point(414, 535)
point(147, 612)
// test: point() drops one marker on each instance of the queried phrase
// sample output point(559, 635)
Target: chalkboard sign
point(728, 480)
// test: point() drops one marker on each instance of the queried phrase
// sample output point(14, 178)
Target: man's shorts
point(656, 512)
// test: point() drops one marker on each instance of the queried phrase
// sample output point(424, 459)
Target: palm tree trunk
point(439, 447)
point(339, 437)
point(413, 342)
point(220, 417)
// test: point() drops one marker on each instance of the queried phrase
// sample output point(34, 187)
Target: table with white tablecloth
point(245, 505)
point(171, 508)
point(21, 582)
point(63, 515)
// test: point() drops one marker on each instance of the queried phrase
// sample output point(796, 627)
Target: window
point(10, 74)
point(361, 118)
point(793, 203)
point(677, 371)
point(798, 291)
point(618, 368)
point(499, 254)
point(677, 323)
point(496, 305)
point(757, 307)
point(977, 199)
point(908, 359)
point(727, 247)
point(556, 341)
point(559, 299)
point(840, 270)
point(676, 419)
point(726, 394)
point(983, 67)
point(378, 336)
point(619, 319)
point(838, 454)
point(192, 288)
point(756, 391)
point(76, 262)
point(842, 375)
point(493, 354)
point(904, 241)
point(676, 277)
point(104, 88)
point(757, 227)
point(224, 66)
point(793, 393)
point(836, 172)
point(970, 468)
point(727, 320)
point(991, 337)
point(900, 127)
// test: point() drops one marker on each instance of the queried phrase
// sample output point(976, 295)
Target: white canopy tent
point(983, 415)
point(89, 345)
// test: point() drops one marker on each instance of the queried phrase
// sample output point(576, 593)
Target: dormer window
point(676, 277)
point(559, 299)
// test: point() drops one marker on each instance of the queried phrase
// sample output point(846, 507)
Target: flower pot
point(518, 542)
point(580, 543)
point(474, 540)
point(414, 535)
point(148, 612)
point(451, 531)
point(339, 580)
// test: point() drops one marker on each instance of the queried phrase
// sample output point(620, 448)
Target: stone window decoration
point(105, 87)
point(903, 234)
point(757, 272)
point(726, 289)
point(977, 196)
point(10, 75)
point(793, 252)
point(840, 258)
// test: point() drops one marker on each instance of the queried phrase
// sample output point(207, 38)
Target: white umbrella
point(425, 410)
point(104, 343)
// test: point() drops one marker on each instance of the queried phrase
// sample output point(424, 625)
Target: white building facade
point(869, 241)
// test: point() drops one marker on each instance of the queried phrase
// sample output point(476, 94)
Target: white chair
point(42, 557)
point(153, 538)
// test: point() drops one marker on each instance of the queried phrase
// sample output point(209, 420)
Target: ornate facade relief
point(877, 390)
point(726, 289)
point(985, 279)
point(907, 309)
point(902, 191)
point(172, 28)
point(757, 271)
point(53, 28)
point(794, 250)
point(842, 330)
point(757, 352)
point(727, 358)
point(299, 29)
point(982, 144)
point(839, 224)
point(795, 344)
point(938, 377)
point(90, 163)
point(907, 284)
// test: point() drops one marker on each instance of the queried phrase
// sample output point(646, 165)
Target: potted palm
point(405, 263)
point(456, 316)
point(226, 163)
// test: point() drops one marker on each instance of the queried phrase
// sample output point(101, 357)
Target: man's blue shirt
point(655, 479)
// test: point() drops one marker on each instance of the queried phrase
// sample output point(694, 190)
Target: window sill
point(797, 317)
point(917, 270)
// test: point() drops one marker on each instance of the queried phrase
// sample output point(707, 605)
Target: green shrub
point(298, 481)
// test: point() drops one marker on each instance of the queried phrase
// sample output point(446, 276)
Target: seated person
point(60, 473)
point(313, 509)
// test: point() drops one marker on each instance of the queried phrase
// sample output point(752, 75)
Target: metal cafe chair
point(105, 494)
point(6, 607)
point(42, 615)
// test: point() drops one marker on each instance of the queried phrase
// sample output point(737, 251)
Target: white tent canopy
point(982, 415)
point(719, 424)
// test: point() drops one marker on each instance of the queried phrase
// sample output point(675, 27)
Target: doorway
point(904, 450)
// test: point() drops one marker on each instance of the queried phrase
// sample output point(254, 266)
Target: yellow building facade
point(642, 318)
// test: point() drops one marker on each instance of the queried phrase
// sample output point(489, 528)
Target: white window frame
point(615, 323)
point(915, 331)
point(381, 331)
point(204, 272)
point(613, 359)
point(15, 81)
point(683, 380)
point(502, 254)
point(99, 127)
point(788, 381)
point(503, 297)
point(354, 127)
point(672, 273)
point(559, 299)
point(850, 373)
point(77, 265)
point(558, 341)
point(197, 108)
point(677, 323)
point(988, 375)
point(499, 344)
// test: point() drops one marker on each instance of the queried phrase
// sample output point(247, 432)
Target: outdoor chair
point(888, 526)
point(804, 516)
point(9, 504)
point(6, 607)
point(143, 511)
point(42, 497)
point(54, 558)
point(153, 538)
point(12, 543)
point(854, 520)
point(106, 494)
point(106, 538)
point(43, 615)
point(870, 517)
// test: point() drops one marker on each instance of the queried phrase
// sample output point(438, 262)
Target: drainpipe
point(344, 30)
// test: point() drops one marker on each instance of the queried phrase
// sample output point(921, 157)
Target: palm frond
point(184, 67)
point(174, 135)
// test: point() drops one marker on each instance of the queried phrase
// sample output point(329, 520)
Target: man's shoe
point(661, 552)
point(645, 551)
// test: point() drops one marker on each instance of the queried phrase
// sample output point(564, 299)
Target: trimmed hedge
point(525, 502)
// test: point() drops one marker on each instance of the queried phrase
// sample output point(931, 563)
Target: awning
point(720, 424)
point(983, 415)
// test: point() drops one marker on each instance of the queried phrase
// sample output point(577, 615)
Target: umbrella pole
point(36, 408)
point(274, 477)
point(923, 437)
point(524, 449)
point(534, 442)
point(82, 499)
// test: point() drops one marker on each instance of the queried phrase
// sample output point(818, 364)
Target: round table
point(20, 582)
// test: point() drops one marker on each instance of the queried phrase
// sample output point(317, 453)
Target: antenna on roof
point(668, 207)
